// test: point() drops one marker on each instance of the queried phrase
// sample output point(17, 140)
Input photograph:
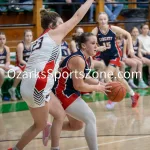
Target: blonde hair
point(102, 13)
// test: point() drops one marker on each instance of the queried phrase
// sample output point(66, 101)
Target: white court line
point(114, 142)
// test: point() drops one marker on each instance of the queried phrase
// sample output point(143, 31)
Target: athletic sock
point(15, 148)
point(55, 148)
point(131, 93)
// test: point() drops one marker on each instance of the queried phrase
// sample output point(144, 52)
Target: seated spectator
point(24, 50)
point(59, 7)
point(3, 8)
point(137, 48)
point(26, 7)
point(14, 7)
point(145, 41)
point(142, 5)
point(134, 62)
point(112, 10)
point(5, 66)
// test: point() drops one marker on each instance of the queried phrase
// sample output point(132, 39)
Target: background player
point(23, 52)
point(5, 65)
point(106, 36)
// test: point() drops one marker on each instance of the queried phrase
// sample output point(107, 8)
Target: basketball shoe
point(135, 99)
point(110, 105)
point(46, 134)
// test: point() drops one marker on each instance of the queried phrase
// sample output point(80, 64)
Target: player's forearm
point(84, 87)
point(91, 81)
point(130, 45)
point(7, 63)
point(22, 62)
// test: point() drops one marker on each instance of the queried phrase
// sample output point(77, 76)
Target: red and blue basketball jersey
point(3, 56)
point(111, 56)
point(64, 49)
point(26, 55)
point(121, 46)
point(136, 47)
point(63, 87)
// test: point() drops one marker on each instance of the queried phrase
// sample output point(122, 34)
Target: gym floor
point(119, 129)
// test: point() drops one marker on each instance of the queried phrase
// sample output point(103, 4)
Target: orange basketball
point(118, 91)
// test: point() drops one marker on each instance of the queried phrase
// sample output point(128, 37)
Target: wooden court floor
point(123, 128)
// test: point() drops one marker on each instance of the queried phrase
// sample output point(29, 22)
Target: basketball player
point(67, 89)
point(106, 36)
point(5, 65)
point(23, 53)
point(42, 65)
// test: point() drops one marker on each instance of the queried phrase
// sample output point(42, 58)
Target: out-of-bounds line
point(119, 141)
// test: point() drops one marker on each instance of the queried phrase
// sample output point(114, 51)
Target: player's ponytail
point(83, 38)
point(47, 18)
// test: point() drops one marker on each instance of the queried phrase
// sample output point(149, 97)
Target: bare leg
point(122, 68)
point(131, 63)
point(100, 67)
point(40, 116)
point(147, 62)
point(2, 75)
point(109, 71)
point(139, 68)
point(16, 80)
point(57, 111)
point(72, 124)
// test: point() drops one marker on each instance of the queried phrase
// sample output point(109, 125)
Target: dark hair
point(27, 30)
point(2, 33)
point(142, 25)
point(83, 38)
point(48, 17)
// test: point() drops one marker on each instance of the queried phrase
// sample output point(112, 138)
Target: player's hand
point(103, 88)
point(6, 67)
point(102, 48)
point(107, 88)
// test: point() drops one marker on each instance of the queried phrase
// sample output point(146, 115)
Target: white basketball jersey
point(44, 50)
point(42, 64)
